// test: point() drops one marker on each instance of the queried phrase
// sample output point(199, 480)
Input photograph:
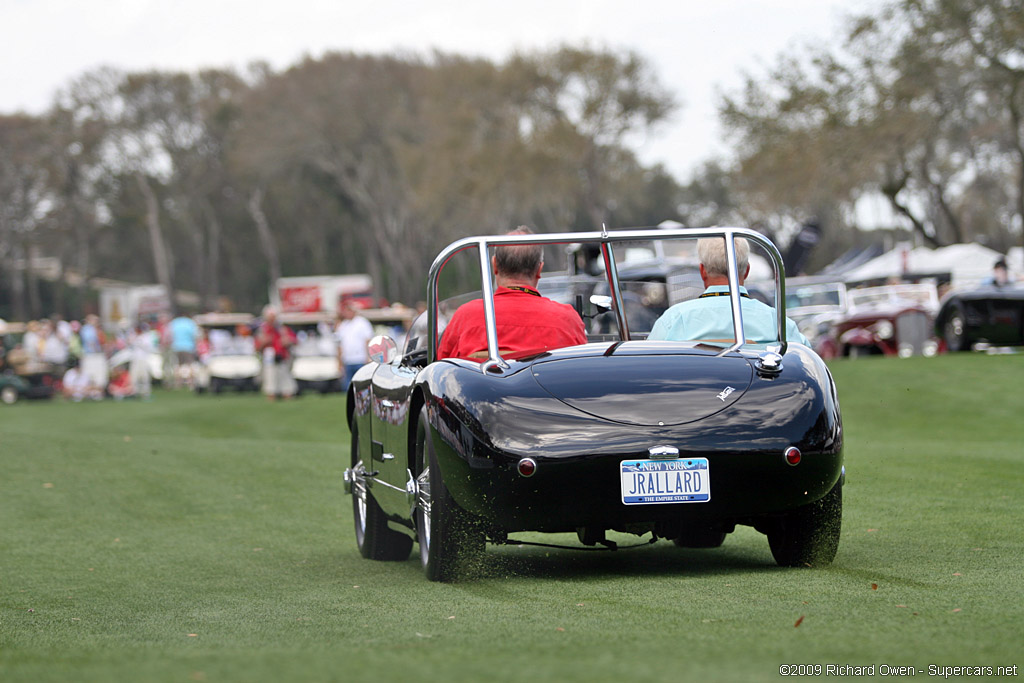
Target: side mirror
point(602, 302)
point(383, 349)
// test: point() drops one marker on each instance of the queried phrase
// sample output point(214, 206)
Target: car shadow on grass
point(660, 559)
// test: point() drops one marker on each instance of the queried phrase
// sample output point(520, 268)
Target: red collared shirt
point(526, 321)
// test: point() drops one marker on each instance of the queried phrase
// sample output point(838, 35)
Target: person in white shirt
point(76, 385)
point(143, 344)
point(353, 334)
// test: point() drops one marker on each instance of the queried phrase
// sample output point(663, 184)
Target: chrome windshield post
point(487, 290)
point(613, 283)
point(734, 293)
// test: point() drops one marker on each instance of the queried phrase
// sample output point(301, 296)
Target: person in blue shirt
point(708, 318)
point(184, 333)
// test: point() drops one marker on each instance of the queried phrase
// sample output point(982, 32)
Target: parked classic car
point(813, 304)
point(890, 320)
point(681, 440)
point(989, 314)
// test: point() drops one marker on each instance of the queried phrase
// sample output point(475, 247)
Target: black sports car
point(989, 314)
point(681, 440)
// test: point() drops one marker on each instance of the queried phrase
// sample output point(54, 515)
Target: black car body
point(682, 440)
point(988, 314)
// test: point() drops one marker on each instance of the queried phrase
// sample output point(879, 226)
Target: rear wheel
point(374, 538)
point(449, 537)
point(809, 535)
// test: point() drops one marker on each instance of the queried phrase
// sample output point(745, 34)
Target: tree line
point(220, 181)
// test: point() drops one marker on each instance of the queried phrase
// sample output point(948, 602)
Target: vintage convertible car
point(986, 315)
point(889, 320)
point(682, 440)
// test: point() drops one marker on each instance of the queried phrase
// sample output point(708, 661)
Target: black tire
point(450, 538)
point(700, 537)
point(809, 535)
point(954, 330)
point(376, 541)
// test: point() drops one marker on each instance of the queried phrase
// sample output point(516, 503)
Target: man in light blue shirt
point(708, 318)
point(184, 333)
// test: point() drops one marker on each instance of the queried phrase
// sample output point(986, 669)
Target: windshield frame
point(605, 239)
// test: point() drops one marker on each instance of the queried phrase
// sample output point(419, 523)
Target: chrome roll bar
point(606, 239)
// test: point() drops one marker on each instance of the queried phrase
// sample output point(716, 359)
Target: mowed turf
point(201, 538)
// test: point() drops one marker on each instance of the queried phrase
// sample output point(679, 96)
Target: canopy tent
point(967, 264)
point(1015, 261)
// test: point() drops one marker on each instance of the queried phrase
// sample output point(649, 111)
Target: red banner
point(300, 299)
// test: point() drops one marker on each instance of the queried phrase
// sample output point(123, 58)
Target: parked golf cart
point(231, 359)
point(315, 354)
point(21, 376)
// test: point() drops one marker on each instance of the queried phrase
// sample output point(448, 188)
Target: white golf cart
point(315, 354)
point(231, 359)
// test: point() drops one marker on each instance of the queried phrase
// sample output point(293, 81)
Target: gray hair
point(519, 259)
point(711, 252)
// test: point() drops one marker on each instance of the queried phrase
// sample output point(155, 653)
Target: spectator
point(353, 334)
point(75, 341)
point(94, 359)
point(275, 340)
point(1000, 275)
point(76, 385)
point(32, 340)
point(708, 318)
point(183, 334)
point(525, 320)
point(120, 386)
point(143, 345)
point(54, 348)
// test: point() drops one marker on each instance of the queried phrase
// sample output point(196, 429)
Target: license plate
point(647, 482)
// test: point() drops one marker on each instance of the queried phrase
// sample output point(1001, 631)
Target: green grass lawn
point(202, 538)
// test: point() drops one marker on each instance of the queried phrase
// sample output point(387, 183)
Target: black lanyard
point(523, 289)
point(705, 295)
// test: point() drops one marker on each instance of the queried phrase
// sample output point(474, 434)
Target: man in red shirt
point(525, 320)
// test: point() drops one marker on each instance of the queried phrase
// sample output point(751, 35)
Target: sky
point(697, 48)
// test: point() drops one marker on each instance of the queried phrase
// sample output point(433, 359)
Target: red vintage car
point(892, 320)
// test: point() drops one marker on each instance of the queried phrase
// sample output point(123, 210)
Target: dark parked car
point(680, 440)
point(988, 314)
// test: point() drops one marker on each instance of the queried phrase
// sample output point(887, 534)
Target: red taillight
point(792, 455)
point(527, 466)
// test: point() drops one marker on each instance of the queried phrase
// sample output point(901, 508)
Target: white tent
point(967, 264)
point(1015, 261)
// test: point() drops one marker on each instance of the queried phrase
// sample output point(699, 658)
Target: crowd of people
point(82, 360)
point(79, 359)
